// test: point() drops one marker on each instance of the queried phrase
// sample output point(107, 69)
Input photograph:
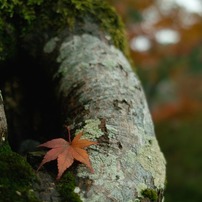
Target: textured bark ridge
point(101, 95)
point(3, 123)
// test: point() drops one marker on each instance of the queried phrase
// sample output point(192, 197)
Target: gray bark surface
point(3, 123)
point(101, 95)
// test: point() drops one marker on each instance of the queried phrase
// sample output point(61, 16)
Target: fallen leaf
point(66, 152)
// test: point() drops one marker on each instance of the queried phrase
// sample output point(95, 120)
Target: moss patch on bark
point(20, 19)
point(150, 194)
point(66, 187)
point(17, 177)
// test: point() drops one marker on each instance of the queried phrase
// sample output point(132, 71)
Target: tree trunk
point(100, 94)
point(3, 123)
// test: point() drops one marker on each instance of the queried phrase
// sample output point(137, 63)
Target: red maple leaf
point(66, 152)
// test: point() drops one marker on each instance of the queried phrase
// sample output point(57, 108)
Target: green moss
point(16, 177)
point(150, 194)
point(20, 19)
point(66, 187)
point(5, 148)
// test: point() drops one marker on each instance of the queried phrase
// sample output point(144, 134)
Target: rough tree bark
point(100, 94)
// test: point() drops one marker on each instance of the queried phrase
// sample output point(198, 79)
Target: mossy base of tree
point(19, 182)
point(17, 177)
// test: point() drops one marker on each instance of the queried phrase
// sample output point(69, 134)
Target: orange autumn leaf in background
point(66, 152)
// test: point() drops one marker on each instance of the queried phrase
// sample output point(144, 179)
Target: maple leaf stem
point(69, 135)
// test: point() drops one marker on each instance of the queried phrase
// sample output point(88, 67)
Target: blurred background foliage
point(165, 38)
